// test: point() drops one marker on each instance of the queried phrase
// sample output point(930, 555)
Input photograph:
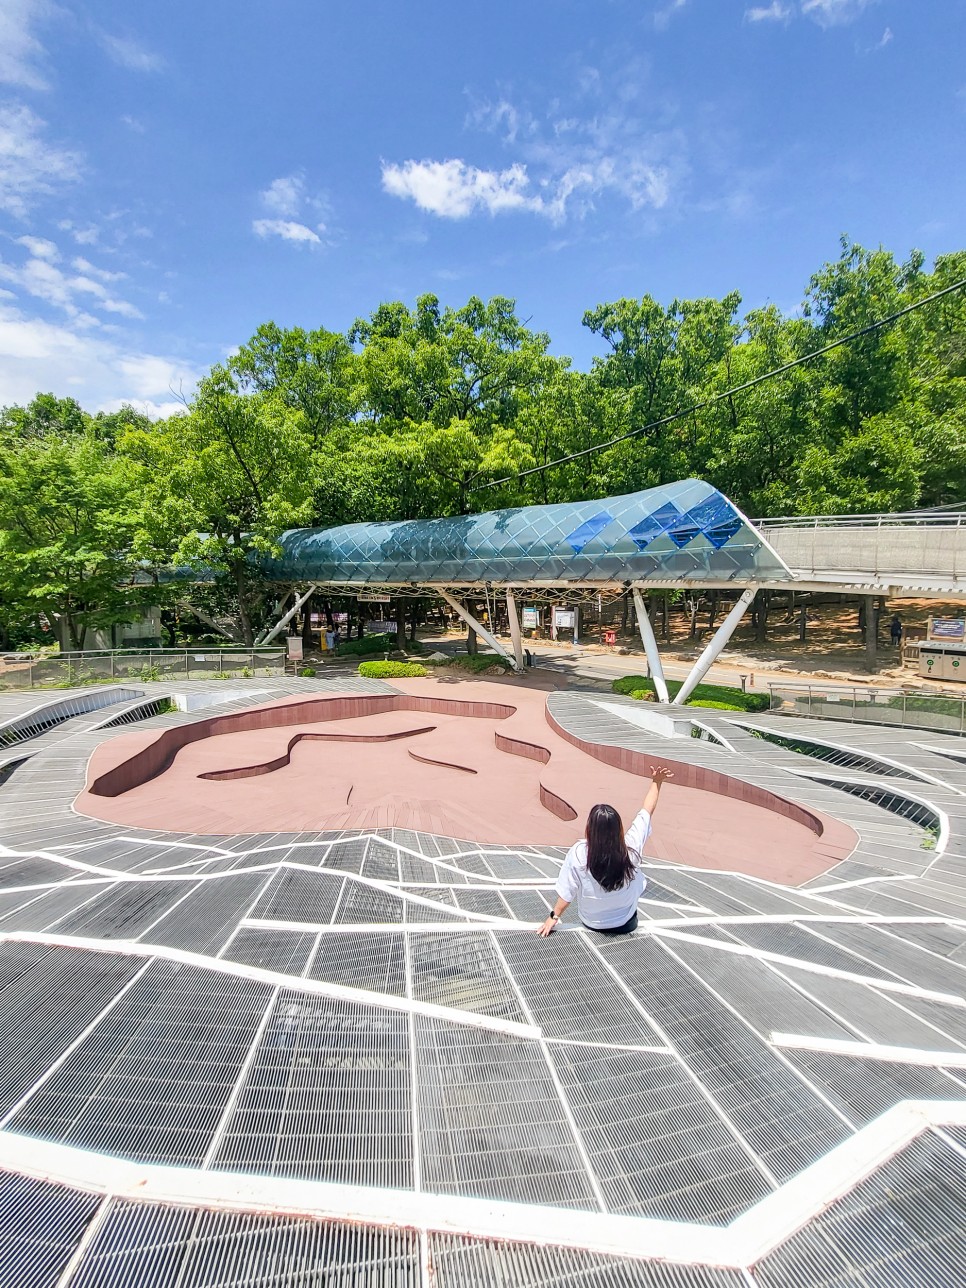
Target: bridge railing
point(943, 711)
point(68, 670)
point(927, 545)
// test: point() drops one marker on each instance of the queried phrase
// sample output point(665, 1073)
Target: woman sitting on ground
point(603, 871)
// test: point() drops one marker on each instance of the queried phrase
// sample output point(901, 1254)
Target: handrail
point(956, 519)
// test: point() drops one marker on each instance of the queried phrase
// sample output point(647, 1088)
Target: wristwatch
point(554, 917)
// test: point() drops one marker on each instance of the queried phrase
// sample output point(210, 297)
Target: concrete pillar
point(474, 625)
point(515, 636)
point(720, 638)
point(650, 647)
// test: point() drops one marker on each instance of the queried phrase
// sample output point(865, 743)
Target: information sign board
point(947, 628)
point(531, 619)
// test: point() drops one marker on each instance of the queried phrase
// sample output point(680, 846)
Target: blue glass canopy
point(686, 531)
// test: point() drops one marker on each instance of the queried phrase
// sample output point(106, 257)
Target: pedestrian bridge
point(899, 555)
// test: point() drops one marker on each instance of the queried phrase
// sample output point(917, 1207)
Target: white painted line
point(382, 927)
point(778, 1216)
point(871, 1051)
point(742, 1244)
point(860, 881)
point(637, 1237)
point(816, 968)
point(315, 987)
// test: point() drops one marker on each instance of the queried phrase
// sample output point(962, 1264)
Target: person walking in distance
point(895, 631)
point(603, 871)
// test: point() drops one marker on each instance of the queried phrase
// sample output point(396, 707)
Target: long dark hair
point(607, 859)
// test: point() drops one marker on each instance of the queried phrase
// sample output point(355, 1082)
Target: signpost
point(531, 619)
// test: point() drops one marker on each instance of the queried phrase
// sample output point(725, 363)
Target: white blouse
point(602, 909)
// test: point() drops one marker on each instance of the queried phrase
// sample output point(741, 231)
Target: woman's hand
point(660, 774)
point(548, 927)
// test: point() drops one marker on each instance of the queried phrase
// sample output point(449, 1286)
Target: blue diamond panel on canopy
point(685, 531)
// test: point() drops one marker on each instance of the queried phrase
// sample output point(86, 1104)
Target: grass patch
point(391, 670)
point(638, 686)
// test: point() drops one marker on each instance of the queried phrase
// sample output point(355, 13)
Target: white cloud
point(129, 54)
point(39, 247)
point(284, 197)
point(85, 266)
point(774, 12)
point(29, 166)
point(453, 189)
point(287, 229)
point(20, 50)
point(834, 13)
point(40, 277)
point(99, 372)
point(83, 236)
point(885, 39)
point(290, 206)
point(662, 17)
point(560, 163)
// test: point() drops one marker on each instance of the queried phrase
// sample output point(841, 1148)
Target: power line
point(727, 393)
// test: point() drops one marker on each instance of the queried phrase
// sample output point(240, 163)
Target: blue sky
point(172, 175)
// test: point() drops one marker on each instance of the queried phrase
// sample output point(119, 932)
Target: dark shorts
point(629, 925)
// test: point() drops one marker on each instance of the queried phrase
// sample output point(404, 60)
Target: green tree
point(224, 481)
point(68, 521)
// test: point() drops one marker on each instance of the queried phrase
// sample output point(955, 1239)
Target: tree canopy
point(413, 409)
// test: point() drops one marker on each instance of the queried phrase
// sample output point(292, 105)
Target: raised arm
point(659, 776)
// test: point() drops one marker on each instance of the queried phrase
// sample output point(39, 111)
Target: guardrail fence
point(69, 670)
point(941, 711)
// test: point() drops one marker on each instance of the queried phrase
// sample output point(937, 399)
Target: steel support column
point(470, 620)
point(515, 636)
point(650, 646)
point(720, 638)
point(284, 621)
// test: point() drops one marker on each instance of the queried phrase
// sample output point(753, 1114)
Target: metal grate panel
point(40, 1226)
point(328, 1096)
point(783, 1121)
point(301, 896)
point(282, 951)
point(569, 992)
point(151, 1081)
point(463, 971)
point(46, 1007)
point(375, 961)
point(462, 1262)
point(160, 1247)
point(657, 1145)
point(491, 1122)
point(903, 1226)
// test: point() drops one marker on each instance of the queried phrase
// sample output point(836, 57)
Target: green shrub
point(635, 685)
point(391, 670)
point(368, 644)
point(715, 706)
point(307, 671)
point(473, 662)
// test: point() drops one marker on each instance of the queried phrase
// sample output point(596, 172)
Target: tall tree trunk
point(625, 600)
point(413, 619)
point(400, 607)
point(713, 610)
point(761, 621)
